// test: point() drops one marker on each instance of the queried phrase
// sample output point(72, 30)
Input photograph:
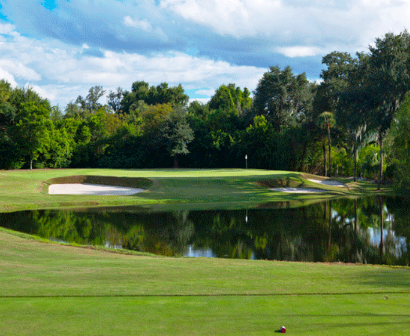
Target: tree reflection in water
point(369, 230)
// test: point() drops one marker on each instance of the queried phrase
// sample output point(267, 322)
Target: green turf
point(52, 289)
point(194, 188)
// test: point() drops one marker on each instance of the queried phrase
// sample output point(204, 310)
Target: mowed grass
point(51, 289)
point(195, 188)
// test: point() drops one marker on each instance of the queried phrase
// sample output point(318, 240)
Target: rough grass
point(50, 289)
point(191, 188)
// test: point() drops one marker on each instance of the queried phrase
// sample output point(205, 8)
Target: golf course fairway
point(48, 288)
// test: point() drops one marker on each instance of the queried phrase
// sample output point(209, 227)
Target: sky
point(62, 48)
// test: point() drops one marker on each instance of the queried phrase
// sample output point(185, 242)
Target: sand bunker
point(310, 190)
point(298, 190)
point(90, 189)
point(328, 182)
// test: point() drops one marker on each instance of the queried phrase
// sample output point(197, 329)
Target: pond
point(372, 230)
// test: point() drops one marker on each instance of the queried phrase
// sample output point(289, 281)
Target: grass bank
point(52, 289)
point(49, 289)
point(193, 188)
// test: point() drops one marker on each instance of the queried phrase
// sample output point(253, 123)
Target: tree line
point(354, 122)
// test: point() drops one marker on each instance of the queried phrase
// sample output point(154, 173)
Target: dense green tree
point(400, 131)
point(32, 131)
point(256, 142)
point(21, 96)
point(90, 103)
point(352, 113)
point(285, 99)
point(24, 115)
point(154, 117)
point(56, 114)
point(7, 119)
point(198, 110)
point(335, 80)
point(231, 98)
point(61, 149)
point(161, 94)
point(72, 110)
point(177, 133)
point(386, 79)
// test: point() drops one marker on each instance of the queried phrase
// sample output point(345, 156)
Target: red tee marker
point(282, 329)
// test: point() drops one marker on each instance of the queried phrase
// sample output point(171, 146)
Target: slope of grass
point(192, 187)
point(51, 289)
point(55, 289)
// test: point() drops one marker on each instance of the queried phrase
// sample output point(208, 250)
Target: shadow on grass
point(382, 278)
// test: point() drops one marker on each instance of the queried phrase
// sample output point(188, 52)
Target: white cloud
point(201, 100)
point(62, 73)
point(241, 31)
point(50, 94)
point(19, 70)
point(59, 94)
point(299, 51)
point(209, 93)
point(143, 24)
point(6, 28)
point(351, 24)
point(8, 77)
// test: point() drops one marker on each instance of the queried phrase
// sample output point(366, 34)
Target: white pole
point(246, 160)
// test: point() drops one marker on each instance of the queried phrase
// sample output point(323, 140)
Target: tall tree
point(335, 80)
point(352, 111)
point(115, 98)
point(326, 121)
point(161, 94)
point(29, 124)
point(401, 145)
point(90, 103)
point(177, 133)
point(386, 82)
point(7, 119)
point(283, 98)
point(32, 132)
point(230, 97)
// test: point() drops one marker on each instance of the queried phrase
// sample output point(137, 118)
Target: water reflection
point(370, 230)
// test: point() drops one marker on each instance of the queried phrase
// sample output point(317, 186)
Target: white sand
point(310, 190)
point(90, 189)
point(328, 182)
point(298, 190)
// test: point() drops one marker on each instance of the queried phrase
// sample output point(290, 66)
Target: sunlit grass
point(192, 187)
point(49, 289)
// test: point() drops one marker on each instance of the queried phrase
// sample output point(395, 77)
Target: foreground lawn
point(54, 289)
point(193, 188)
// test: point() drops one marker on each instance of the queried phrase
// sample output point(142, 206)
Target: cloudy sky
point(61, 48)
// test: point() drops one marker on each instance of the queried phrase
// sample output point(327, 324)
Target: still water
point(372, 230)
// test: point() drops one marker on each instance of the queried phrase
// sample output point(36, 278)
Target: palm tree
point(327, 121)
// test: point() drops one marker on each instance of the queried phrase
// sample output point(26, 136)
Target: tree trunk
point(328, 140)
point(355, 159)
point(381, 228)
point(381, 161)
point(31, 161)
point(175, 162)
point(355, 215)
point(324, 159)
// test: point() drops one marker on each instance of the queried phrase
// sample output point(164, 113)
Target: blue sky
point(61, 48)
